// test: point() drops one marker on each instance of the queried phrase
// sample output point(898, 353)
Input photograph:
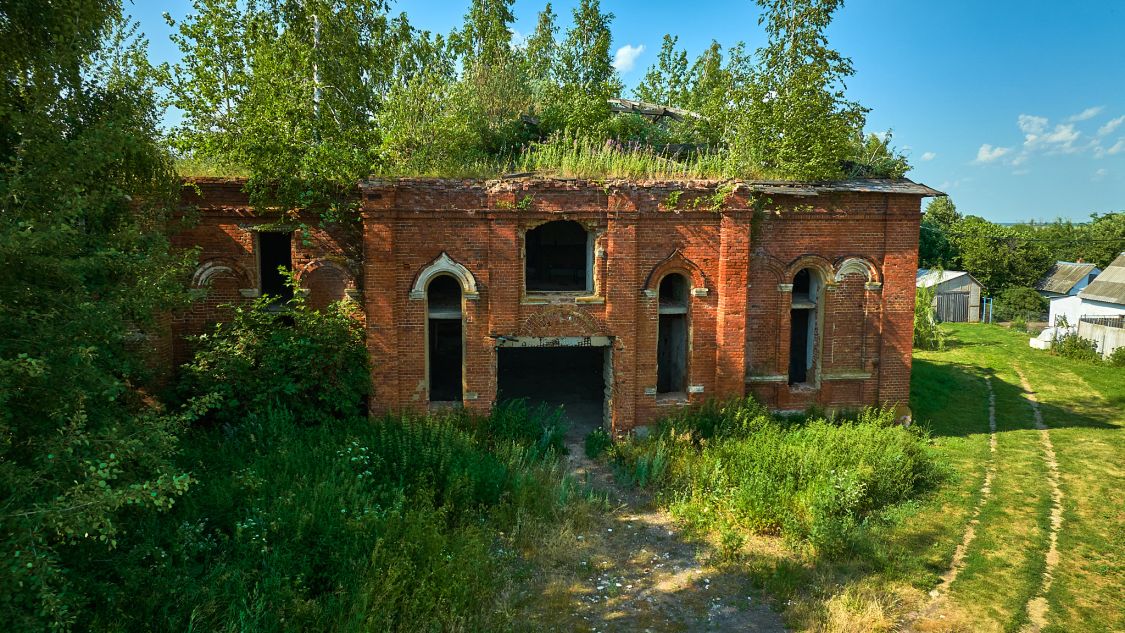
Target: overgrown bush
point(312, 363)
point(1116, 358)
point(1076, 348)
point(1019, 303)
point(928, 333)
point(734, 466)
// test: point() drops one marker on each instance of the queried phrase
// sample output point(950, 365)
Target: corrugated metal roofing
point(1063, 276)
point(1109, 286)
point(926, 277)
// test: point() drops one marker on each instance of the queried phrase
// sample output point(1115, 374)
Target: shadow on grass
point(951, 399)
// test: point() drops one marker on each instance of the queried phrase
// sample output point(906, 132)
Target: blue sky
point(1016, 109)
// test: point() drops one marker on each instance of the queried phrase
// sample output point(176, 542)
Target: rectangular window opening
point(671, 354)
point(445, 359)
point(275, 249)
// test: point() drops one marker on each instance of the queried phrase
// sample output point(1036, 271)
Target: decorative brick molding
point(444, 264)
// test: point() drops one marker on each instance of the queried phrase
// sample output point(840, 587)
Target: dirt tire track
point(939, 594)
point(1037, 606)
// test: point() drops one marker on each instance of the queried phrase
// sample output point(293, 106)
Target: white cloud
point(1031, 124)
point(1063, 137)
point(1087, 114)
point(1117, 148)
point(626, 57)
point(988, 153)
point(929, 156)
point(1111, 125)
point(1099, 174)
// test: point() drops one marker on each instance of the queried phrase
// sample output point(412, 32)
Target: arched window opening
point(672, 335)
point(445, 342)
point(558, 258)
point(803, 323)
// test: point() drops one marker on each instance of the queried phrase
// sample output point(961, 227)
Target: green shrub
point(816, 482)
point(313, 363)
point(1019, 323)
point(1019, 303)
point(598, 441)
point(1075, 347)
point(1116, 358)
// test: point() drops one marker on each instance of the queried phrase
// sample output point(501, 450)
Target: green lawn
point(1084, 407)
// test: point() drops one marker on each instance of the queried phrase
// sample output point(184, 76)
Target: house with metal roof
point(956, 294)
point(1061, 286)
point(1103, 308)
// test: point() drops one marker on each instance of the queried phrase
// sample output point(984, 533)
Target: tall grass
point(563, 155)
point(572, 156)
point(399, 524)
point(733, 467)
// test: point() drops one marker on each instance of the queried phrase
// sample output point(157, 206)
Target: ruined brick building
point(634, 298)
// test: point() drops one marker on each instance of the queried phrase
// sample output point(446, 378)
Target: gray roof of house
point(1109, 286)
point(1063, 276)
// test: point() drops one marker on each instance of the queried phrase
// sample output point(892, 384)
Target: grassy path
point(1058, 462)
point(633, 570)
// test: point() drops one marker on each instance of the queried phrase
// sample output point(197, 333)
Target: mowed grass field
point(1083, 408)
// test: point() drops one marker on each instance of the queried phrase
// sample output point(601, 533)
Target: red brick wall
point(219, 222)
point(737, 261)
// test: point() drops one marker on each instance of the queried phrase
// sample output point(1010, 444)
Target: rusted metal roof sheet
point(860, 185)
point(926, 277)
point(1063, 276)
point(1109, 286)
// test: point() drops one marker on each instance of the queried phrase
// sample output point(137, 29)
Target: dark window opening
point(799, 346)
point(444, 339)
point(672, 335)
point(275, 250)
point(558, 258)
point(802, 323)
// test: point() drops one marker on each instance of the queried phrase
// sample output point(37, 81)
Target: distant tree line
point(308, 95)
point(1014, 256)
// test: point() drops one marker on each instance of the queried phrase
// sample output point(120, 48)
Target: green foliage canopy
point(85, 189)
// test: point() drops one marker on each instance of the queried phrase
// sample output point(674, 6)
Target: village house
point(1061, 286)
point(620, 299)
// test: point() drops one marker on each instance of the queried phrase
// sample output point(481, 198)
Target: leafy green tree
point(540, 50)
point(997, 256)
point(486, 37)
point(936, 246)
point(85, 190)
point(797, 121)
point(665, 83)
point(287, 89)
point(583, 69)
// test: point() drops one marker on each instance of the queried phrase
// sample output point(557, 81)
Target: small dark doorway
point(444, 339)
point(802, 324)
point(275, 249)
point(672, 338)
point(570, 377)
point(558, 258)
